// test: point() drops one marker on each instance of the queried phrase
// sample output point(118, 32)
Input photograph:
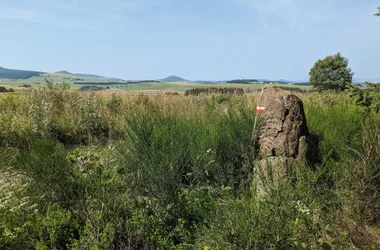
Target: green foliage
point(57, 229)
point(88, 84)
point(243, 81)
point(167, 152)
point(368, 96)
point(214, 90)
point(50, 115)
point(331, 73)
point(338, 125)
point(115, 104)
point(14, 127)
point(85, 197)
point(378, 13)
point(291, 216)
point(91, 88)
point(294, 89)
point(5, 90)
point(174, 226)
point(180, 173)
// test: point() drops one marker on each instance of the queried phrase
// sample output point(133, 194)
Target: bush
point(368, 96)
point(79, 198)
point(292, 216)
point(5, 90)
point(331, 73)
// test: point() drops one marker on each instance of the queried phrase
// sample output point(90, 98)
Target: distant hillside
point(90, 76)
point(64, 72)
point(173, 79)
point(17, 74)
point(243, 81)
point(283, 81)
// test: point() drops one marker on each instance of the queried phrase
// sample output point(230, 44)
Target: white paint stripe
point(260, 108)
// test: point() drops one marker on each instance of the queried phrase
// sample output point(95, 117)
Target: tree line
point(214, 90)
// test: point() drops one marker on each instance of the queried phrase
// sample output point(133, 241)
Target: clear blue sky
point(195, 39)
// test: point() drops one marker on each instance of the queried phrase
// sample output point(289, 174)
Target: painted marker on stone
point(260, 109)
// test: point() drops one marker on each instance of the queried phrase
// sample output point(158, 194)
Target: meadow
point(103, 170)
point(144, 87)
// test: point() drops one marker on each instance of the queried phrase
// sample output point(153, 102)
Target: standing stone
point(281, 136)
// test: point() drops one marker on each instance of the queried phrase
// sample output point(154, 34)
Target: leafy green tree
point(378, 12)
point(331, 73)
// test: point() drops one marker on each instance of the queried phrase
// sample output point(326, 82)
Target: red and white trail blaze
point(260, 109)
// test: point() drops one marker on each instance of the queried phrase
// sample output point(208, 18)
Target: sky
point(194, 39)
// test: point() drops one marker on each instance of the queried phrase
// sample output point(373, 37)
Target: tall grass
point(87, 171)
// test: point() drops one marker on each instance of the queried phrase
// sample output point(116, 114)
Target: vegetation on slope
point(17, 74)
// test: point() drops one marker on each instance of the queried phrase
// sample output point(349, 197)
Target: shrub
point(368, 96)
point(3, 89)
point(115, 104)
point(331, 73)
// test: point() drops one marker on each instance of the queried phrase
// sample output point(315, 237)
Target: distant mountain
point(90, 76)
point(17, 74)
point(64, 72)
point(173, 79)
point(25, 74)
point(284, 81)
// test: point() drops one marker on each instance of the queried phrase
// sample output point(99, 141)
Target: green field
point(136, 87)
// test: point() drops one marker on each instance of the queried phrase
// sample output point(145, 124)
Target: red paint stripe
point(260, 109)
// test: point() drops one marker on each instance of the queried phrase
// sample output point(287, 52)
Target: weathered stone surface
point(308, 149)
point(271, 171)
point(281, 136)
point(284, 123)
